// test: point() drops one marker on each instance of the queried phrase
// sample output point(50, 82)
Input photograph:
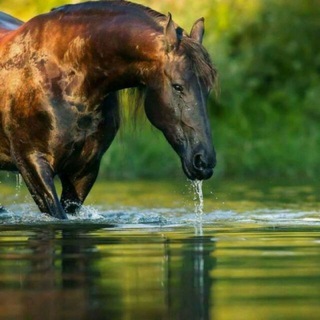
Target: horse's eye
point(177, 87)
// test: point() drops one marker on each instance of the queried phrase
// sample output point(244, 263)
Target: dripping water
point(198, 199)
point(199, 261)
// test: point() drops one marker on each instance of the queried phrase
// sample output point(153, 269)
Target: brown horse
point(59, 77)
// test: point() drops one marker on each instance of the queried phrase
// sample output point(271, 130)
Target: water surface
point(139, 251)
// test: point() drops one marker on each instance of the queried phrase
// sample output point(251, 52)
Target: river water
point(138, 250)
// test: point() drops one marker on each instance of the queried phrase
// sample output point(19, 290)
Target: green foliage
point(265, 119)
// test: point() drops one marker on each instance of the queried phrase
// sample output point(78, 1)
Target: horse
point(60, 74)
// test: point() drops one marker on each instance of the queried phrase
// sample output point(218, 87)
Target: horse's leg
point(38, 177)
point(76, 188)
point(76, 185)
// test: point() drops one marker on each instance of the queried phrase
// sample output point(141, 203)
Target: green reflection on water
point(250, 273)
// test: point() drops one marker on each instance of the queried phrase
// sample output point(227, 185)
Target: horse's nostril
point(201, 167)
point(198, 162)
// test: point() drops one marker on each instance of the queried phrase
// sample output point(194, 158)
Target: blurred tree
point(267, 53)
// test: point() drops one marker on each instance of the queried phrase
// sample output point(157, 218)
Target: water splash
point(198, 198)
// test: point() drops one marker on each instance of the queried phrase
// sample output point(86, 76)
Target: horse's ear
point(197, 30)
point(170, 34)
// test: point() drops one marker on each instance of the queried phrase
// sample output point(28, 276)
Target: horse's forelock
point(200, 60)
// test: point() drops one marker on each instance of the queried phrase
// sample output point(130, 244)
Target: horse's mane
point(201, 62)
point(95, 7)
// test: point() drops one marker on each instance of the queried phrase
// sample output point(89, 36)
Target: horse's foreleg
point(38, 177)
point(77, 185)
point(76, 188)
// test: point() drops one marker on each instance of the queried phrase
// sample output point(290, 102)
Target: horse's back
point(8, 23)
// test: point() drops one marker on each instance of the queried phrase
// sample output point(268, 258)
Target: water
point(138, 251)
point(198, 199)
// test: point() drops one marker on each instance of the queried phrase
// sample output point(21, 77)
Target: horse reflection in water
point(59, 77)
point(62, 277)
point(75, 276)
point(190, 285)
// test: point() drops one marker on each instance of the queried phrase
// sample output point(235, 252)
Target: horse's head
point(176, 99)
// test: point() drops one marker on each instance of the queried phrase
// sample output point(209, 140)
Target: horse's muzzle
point(200, 167)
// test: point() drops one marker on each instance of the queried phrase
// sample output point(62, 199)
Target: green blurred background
point(265, 116)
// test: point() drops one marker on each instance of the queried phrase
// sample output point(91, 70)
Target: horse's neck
point(128, 54)
point(111, 61)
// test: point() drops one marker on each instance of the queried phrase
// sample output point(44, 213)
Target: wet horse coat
point(59, 74)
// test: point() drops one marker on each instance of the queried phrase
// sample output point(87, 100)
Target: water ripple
point(28, 214)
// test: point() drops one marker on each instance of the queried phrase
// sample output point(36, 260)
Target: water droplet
point(18, 184)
